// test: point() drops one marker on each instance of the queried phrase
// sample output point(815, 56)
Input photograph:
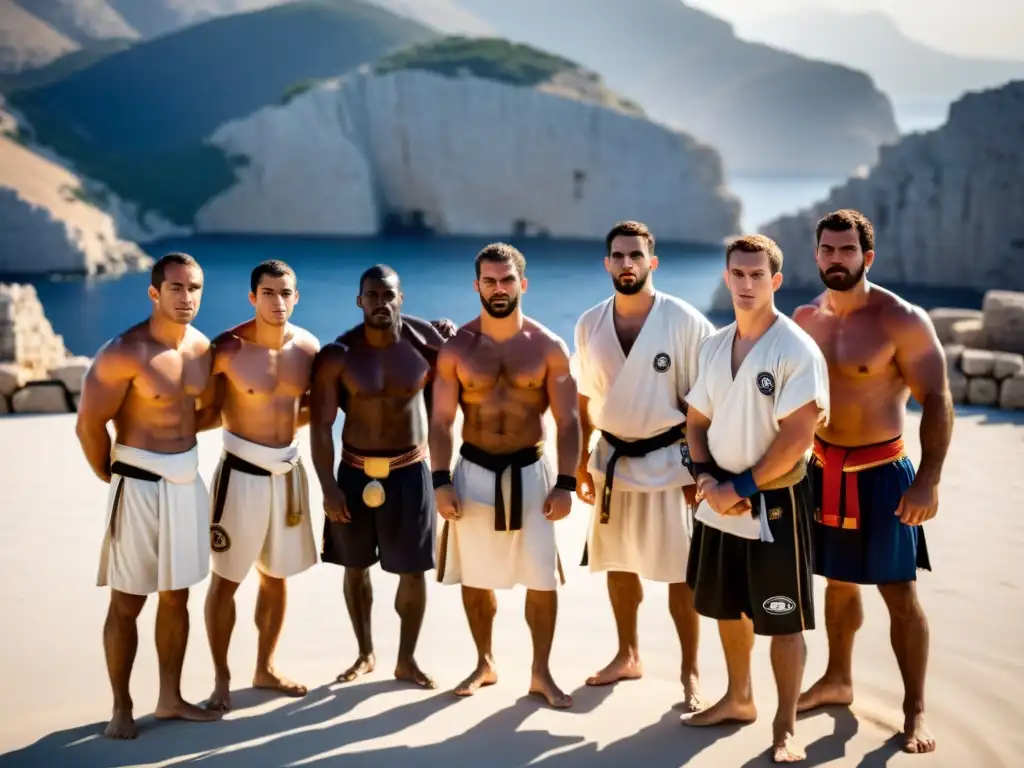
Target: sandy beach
point(57, 697)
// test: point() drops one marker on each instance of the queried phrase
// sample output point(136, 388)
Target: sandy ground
point(57, 697)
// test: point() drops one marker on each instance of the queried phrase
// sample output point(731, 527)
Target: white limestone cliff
point(947, 205)
point(465, 156)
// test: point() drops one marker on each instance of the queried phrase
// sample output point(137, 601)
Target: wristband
point(566, 483)
point(744, 484)
point(441, 477)
point(703, 468)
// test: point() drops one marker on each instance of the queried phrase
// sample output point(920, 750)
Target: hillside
point(60, 68)
point(81, 20)
point(159, 17)
point(759, 106)
point(26, 41)
point(908, 71)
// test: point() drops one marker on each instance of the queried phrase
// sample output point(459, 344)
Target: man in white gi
point(505, 371)
point(762, 390)
point(636, 359)
point(147, 381)
point(259, 510)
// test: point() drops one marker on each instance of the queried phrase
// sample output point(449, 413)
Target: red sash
point(838, 460)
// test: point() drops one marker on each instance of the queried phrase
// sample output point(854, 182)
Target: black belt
point(135, 473)
point(498, 463)
point(229, 465)
point(633, 449)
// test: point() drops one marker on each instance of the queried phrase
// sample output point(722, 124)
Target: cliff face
point(26, 41)
point(947, 206)
point(463, 155)
point(46, 226)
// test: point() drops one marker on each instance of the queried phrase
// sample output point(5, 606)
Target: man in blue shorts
point(870, 502)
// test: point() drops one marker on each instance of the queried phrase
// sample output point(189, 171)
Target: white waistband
point(180, 468)
point(277, 461)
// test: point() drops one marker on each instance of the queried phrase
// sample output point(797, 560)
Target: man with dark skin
point(380, 505)
point(871, 504)
point(505, 371)
point(147, 381)
point(260, 495)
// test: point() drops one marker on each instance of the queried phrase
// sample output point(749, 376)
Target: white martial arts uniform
point(157, 537)
point(255, 512)
point(633, 398)
point(474, 554)
point(783, 371)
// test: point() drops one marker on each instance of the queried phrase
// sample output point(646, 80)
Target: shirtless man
point(147, 381)
point(504, 370)
point(880, 350)
point(259, 510)
point(379, 506)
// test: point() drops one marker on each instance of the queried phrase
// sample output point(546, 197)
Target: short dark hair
point(378, 272)
point(156, 276)
point(501, 253)
point(270, 268)
point(846, 219)
point(629, 229)
point(756, 244)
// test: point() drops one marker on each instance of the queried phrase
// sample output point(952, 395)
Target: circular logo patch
point(766, 383)
point(219, 539)
point(779, 605)
point(662, 362)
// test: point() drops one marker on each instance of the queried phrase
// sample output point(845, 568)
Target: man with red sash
point(871, 503)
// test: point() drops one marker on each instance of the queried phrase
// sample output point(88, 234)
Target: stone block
point(40, 397)
point(953, 353)
point(5, 406)
point(1011, 393)
point(1007, 364)
point(958, 386)
point(982, 391)
point(12, 377)
point(943, 319)
point(969, 333)
point(71, 372)
point(1003, 313)
point(977, 362)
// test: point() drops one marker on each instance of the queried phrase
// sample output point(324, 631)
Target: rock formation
point(26, 41)
point(463, 155)
point(947, 205)
point(48, 225)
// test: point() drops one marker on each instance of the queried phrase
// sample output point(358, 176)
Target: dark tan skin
point(261, 372)
point(880, 350)
point(147, 381)
point(383, 376)
point(628, 261)
point(749, 278)
point(505, 373)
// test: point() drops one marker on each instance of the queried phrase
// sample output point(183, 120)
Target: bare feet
point(364, 665)
point(407, 669)
point(542, 684)
point(787, 752)
point(220, 699)
point(482, 676)
point(917, 739)
point(728, 710)
point(121, 726)
point(824, 693)
point(268, 678)
point(692, 701)
point(182, 710)
point(622, 667)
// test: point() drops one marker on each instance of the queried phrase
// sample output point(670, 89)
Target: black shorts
point(400, 533)
point(770, 583)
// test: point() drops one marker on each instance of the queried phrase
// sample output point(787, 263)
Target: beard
point(628, 289)
point(511, 303)
point(840, 279)
point(379, 321)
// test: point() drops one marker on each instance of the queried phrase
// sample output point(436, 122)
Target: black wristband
point(703, 467)
point(566, 483)
point(441, 477)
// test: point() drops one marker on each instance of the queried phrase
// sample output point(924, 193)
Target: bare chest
point(855, 348)
point(396, 371)
point(169, 376)
point(627, 329)
point(256, 371)
point(515, 364)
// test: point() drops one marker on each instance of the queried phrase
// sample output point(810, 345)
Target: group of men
point(691, 445)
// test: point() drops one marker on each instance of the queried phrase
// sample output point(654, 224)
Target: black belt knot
point(633, 449)
point(498, 463)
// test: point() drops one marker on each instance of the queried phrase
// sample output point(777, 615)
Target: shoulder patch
point(662, 362)
point(766, 383)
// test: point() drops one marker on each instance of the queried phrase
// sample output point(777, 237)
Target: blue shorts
point(882, 550)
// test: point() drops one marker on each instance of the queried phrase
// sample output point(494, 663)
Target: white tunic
point(782, 372)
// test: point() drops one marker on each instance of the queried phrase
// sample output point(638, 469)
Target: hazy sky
point(973, 27)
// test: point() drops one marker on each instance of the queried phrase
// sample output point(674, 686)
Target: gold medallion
point(373, 494)
point(293, 519)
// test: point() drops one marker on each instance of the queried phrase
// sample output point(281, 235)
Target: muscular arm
point(921, 360)
point(697, 425)
point(796, 435)
point(104, 390)
point(564, 400)
point(323, 410)
point(444, 407)
point(586, 428)
point(303, 417)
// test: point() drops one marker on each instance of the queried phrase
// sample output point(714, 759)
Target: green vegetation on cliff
point(488, 58)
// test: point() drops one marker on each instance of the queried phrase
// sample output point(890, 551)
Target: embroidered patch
point(779, 605)
point(219, 539)
point(775, 513)
point(662, 362)
point(766, 383)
